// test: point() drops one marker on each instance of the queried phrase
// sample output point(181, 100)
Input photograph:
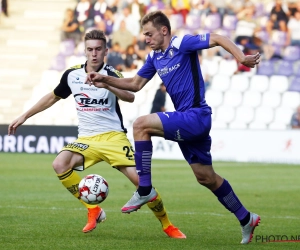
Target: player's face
point(95, 52)
point(154, 37)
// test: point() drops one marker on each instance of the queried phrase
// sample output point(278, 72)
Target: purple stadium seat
point(212, 21)
point(262, 35)
point(79, 51)
point(224, 32)
point(176, 21)
point(277, 50)
point(229, 22)
point(193, 22)
point(291, 53)
point(297, 69)
point(295, 84)
point(58, 63)
point(278, 38)
point(67, 47)
point(259, 10)
point(266, 68)
point(285, 68)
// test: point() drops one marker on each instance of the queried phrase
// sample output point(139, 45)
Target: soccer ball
point(93, 189)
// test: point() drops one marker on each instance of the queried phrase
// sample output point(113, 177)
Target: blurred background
point(255, 109)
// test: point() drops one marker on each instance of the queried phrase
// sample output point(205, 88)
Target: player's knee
point(59, 167)
point(203, 181)
point(208, 181)
point(140, 125)
point(56, 165)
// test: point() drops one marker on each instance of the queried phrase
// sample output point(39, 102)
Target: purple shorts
point(191, 130)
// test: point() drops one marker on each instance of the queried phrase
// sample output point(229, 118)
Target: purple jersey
point(179, 69)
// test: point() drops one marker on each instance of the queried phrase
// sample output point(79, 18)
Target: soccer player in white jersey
point(102, 136)
point(175, 60)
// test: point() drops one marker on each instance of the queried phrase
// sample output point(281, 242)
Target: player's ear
point(164, 30)
point(106, 51)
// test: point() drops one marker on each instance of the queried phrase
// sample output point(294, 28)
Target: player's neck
point(96, 68)
point(166, 44)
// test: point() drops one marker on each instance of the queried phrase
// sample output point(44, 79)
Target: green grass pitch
point(36, 212)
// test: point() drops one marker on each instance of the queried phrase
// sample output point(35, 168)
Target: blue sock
point(143, 156)
point(229, 200)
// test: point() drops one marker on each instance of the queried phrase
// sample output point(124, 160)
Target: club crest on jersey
point(171, 53)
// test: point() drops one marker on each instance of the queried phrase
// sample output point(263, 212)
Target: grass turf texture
point(36, 212)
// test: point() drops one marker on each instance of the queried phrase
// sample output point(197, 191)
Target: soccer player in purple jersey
point(175, 60)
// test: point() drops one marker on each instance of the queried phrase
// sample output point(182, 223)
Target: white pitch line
point(146, 212)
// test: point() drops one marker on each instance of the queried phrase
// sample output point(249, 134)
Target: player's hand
point(15, 124)
point(251, 60)
point(96, 79)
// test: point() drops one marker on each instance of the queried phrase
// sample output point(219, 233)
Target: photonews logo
point(277, 238)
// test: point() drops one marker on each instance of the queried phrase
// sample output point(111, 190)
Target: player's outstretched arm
point(223, 41)
point(44, 103)
point(133, 84)
point(123, 95)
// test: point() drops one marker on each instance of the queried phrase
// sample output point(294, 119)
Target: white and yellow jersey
point(97, 108)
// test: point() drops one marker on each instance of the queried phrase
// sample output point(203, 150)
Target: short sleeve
point(190, 43)
point(63, 90)
point(148, 70)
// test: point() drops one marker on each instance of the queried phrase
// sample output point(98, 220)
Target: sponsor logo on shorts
point(178, 136)
point(77, 145)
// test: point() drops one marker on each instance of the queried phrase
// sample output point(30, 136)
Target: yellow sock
point(160, 211)
point(70, 180)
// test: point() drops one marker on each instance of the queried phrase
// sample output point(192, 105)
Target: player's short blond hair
point(95, 35)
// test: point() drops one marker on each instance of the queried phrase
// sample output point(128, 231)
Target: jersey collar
point(100, 67)
point(170, 44)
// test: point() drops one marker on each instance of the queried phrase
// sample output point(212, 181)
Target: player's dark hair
point(95, 35)
point(158, 20)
